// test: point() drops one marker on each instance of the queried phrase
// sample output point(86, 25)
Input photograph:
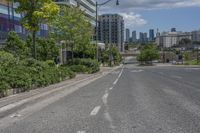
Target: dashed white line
point(104, 98)
point(115, 82)
point(81, 132)
point(110, 88)
point(95, 111)
point(177, 77)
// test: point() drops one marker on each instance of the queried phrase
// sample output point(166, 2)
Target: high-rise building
point(111, 30)
point(141, 37)
point(88, 6)
point(196, 36)
point(10, 21)
point(134, 36)
point(151, 35)
point(145, 35)
point(127, 35)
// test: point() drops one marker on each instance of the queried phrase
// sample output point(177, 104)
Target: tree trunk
point(72, 48)
point(34, 45)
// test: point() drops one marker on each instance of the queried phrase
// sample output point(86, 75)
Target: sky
point(142, 15)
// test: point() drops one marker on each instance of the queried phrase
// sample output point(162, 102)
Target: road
point(129, 100)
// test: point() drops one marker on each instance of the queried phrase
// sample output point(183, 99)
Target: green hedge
point(91, 65)
point(79, 68)
point(29, 74)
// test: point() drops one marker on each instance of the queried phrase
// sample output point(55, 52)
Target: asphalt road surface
point(129, 100)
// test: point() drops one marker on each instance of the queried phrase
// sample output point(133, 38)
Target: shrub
point(6, 59)
point(19, 77)
point(92, 65)
point(79, 68)
point(66, 71)
point(16, 46)
point(4, 86)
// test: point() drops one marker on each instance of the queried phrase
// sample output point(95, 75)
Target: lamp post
point(97, 37)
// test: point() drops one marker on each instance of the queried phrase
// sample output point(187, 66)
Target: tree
point(72, 28)
point(148, 54)
point(34, 13)
point(47, 49)
point(16, 46)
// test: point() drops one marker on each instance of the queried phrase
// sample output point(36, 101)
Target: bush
point(4, 86)
point(19, 77)
point(6, 59)
point(92, 65)
point(66, 71)
point(30, 74)
point(111, 51)
point(17, 46)
point(79, 68)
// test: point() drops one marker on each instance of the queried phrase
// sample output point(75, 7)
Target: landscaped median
point(23, 75)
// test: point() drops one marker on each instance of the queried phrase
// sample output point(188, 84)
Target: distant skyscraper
point(134, 36)
point(111, 30)
point(141, 37)
point(145, 37)
point(151, 35)
point(127, 35)
point(173, 29)
point(196, 36)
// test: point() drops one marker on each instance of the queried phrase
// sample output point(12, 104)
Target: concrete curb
point(16, 105)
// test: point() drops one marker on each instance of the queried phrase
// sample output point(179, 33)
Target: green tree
point(147, 54)
point(71, 26)
point(47, 49)
point(34, 13)
point(16, 46)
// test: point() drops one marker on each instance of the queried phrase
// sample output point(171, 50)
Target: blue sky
point(141, 15)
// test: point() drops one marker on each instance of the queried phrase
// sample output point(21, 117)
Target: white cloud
point(131, 5)
point(133, 20)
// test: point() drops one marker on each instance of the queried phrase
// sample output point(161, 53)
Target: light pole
point(97, 37)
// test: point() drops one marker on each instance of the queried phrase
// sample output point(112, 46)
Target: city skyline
point(152, 14)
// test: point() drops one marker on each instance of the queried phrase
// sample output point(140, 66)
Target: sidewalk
point(11, 104)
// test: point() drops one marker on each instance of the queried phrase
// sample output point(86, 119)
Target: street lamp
point(97, 38)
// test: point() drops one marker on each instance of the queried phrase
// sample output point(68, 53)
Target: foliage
point(16, 46)
point(30, 73)
point(72, 28)
point(92, 65)
point(36, 12)
point(6, 59)
point(46, 49)
point(186, 56)
point(111, 54)
point(79, 68)
point(148, 53)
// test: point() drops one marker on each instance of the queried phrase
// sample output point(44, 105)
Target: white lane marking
point(15, 115)
point(116, 81)
point(110, 88)
point(177, 77)
point(81, 132)
point(137, 71)
point(104, 98)
point(95, 111)
point(109, 119)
